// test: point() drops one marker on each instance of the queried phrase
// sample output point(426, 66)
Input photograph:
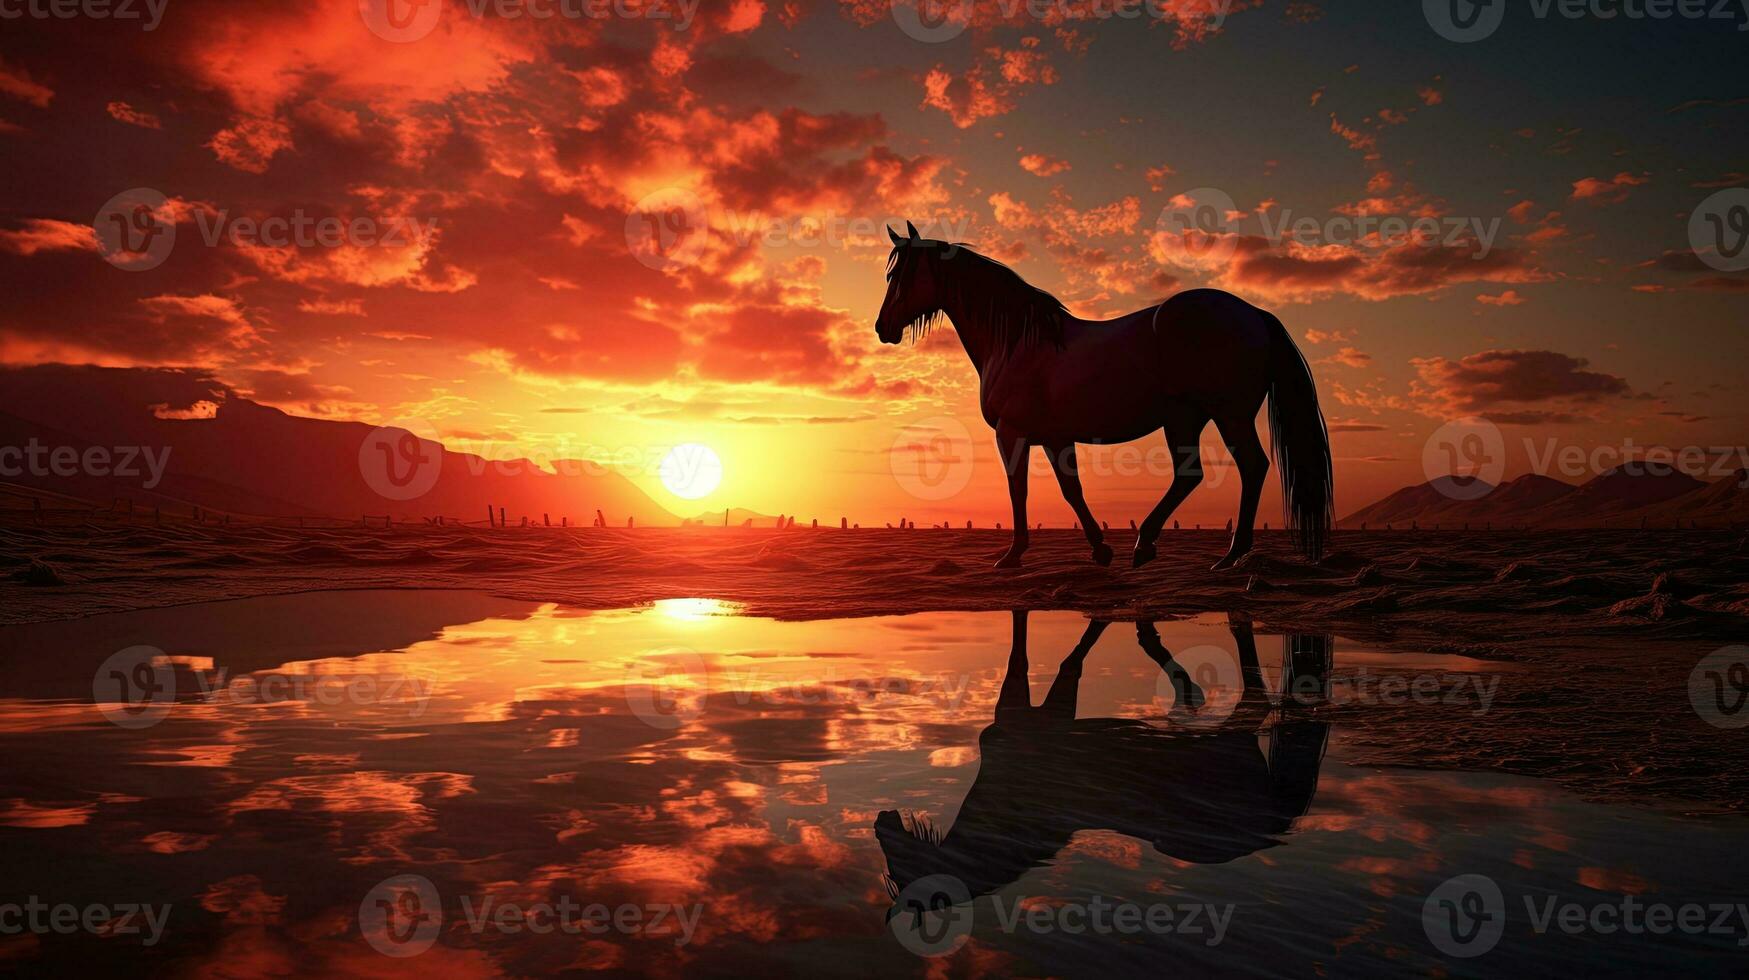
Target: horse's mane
point(1010, 310)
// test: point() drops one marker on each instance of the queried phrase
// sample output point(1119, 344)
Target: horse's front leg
point(1012, 449)
point(1069, 480)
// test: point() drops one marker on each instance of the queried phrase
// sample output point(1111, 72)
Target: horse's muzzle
point(889, 337)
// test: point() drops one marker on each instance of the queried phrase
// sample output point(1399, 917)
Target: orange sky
point(502, 287)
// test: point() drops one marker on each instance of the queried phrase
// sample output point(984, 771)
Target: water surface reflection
point(682, 757)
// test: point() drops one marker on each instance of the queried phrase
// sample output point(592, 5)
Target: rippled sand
point(1432, 589)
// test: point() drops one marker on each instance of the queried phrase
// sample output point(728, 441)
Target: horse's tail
point(1302, 444)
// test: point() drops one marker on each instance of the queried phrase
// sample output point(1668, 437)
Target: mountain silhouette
point(1620, 497)
point(249, 458)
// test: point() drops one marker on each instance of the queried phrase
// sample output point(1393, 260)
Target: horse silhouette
point(1050, 379)
point(1207, 797)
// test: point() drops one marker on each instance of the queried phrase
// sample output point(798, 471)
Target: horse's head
point(913, 284)
point(912, 848)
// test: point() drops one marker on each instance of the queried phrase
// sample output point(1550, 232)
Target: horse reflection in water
point(1206, 796)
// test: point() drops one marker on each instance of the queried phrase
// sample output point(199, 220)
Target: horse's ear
point(911, 229)
point(894, 236)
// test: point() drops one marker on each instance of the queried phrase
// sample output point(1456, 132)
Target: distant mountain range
point(737, 516)
point(248, 458)
point(1621, 497)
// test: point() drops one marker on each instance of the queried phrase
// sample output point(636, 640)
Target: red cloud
point(1497, 379)
point(1040, 165)
point(1612, 191)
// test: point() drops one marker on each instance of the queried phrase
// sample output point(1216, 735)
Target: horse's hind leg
point(1239, 431)
point(1069, 480)
point(1183, 437)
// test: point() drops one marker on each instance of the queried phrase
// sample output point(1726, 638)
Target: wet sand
point(1497, 593)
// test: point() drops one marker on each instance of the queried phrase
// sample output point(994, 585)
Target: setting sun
point(691, 470)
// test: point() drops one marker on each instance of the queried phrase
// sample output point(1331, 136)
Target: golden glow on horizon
point(695, 610)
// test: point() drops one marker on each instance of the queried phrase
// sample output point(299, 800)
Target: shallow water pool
point(388, 782)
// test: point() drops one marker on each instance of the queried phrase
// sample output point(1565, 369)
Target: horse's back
point(1214, 345)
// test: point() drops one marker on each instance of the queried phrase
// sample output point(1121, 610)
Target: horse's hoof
point(1102, 554)
point(1227, 562)
point(1009, 560)
point(1142, 556)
